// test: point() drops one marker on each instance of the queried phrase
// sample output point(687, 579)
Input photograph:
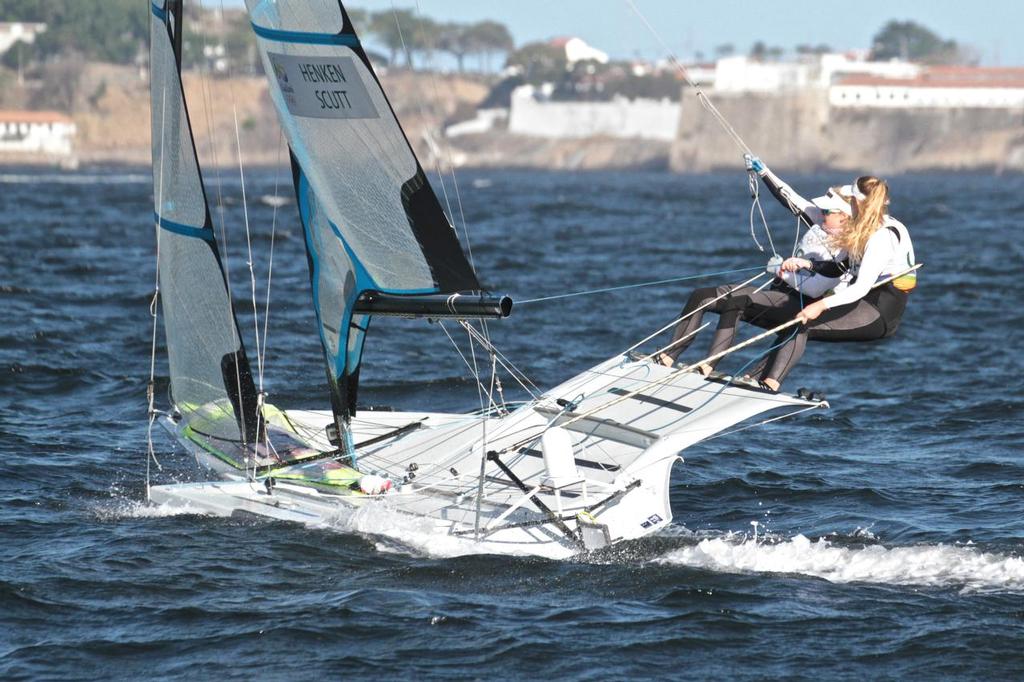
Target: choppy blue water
point(889, 531)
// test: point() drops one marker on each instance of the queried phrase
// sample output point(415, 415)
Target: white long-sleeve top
point(888, 252)
point(814, 245)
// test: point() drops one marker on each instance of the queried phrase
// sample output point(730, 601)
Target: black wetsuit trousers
point(875, 316)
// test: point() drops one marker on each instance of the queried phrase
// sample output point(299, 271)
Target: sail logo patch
point(322, 87)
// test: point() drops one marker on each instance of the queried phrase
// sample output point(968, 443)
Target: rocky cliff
point(801, 131)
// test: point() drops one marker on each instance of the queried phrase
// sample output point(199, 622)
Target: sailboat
point(581, 466)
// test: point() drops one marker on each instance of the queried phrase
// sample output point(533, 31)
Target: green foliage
point(761, 52)
point(540, 62)
point(397, 30)
point(912, 41)
point(107, 30)
point(406, 32)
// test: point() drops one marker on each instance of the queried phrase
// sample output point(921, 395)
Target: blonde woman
point(823, 266)
point(878, 247)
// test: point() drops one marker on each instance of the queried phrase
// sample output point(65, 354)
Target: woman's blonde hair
point(870, 212)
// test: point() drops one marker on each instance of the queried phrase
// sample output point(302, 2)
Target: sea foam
point(926, 565)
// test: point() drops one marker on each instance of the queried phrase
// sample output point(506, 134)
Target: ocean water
point(880, 539)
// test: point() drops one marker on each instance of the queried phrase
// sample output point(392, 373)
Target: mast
point(377, 239)
point(211, 381)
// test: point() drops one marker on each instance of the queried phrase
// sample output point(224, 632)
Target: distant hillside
point(110, 105)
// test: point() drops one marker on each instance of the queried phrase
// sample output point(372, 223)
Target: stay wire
point(222, 243)
point(637, 286)
point(701, 96)
point(273, 237)
point(154, 309)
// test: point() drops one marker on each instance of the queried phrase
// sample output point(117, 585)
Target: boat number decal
point(322, 87)
point(652, 520)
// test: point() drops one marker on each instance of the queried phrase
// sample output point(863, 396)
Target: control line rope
point(641, 284)
point(703, 98)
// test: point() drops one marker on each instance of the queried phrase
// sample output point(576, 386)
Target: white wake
point(927, 565)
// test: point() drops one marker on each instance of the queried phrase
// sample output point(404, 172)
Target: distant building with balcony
point(36, 136)
point(934, 87)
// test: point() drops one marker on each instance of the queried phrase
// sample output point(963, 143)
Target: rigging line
point(672, 324)
point(423, 112)
point(732, 349)
point(248, 234)
point(703, 98)
point(154, 310)
point(636, 286)
point(273, 236)
point(693, 312)
point(223, 242)
point(755, 195)
point(499, 359)
point(509, 366)
point(252, 273)
point(473, 372)
point(248, 239)
point(446, 148)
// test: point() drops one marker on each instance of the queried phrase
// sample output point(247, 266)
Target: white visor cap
point(830, 201)
point(852, 191)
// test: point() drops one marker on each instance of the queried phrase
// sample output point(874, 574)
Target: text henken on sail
point(322, 87)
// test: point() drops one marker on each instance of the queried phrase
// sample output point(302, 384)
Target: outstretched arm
point(786, 195)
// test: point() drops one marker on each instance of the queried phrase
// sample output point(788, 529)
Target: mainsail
point(372, 222)
point(211, 383)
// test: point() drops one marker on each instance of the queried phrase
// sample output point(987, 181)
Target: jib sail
point(211, 383)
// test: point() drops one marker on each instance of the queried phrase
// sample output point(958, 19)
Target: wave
point(962, 566)
point(75, 179)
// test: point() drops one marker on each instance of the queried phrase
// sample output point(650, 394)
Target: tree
point(540, 62)
point(402, 30)
point(108, 30)
point(63, 76)
point(913, 42)
point(724, 50)
point(387, 27)
point(821, 48)
point(455, 39)
point(760, 52)
point(488, 38)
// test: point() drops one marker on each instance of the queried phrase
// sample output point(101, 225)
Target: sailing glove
point(753, 163)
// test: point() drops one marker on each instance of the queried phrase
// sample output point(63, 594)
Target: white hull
point(627, 420)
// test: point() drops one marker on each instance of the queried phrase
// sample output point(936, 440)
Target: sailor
point(823, 267)
point(878, 247)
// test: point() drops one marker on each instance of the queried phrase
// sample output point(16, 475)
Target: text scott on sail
point(333, 99)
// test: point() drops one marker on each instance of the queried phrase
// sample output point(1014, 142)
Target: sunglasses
point(831, 211)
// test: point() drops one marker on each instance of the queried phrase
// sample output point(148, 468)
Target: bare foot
point(664, 359)
point(705, 368)
point(772, 384)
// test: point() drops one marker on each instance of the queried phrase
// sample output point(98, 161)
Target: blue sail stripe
point(364, 280)
point(304, 37)
point(159, 12)
point(182, 229)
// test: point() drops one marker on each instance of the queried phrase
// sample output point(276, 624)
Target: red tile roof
point(12, 116)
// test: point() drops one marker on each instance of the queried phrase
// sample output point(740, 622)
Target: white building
point(13, 32)
point(936, 87)
point(532, 113)
point(577, 50)
point(36, 133)
point(743, 74)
